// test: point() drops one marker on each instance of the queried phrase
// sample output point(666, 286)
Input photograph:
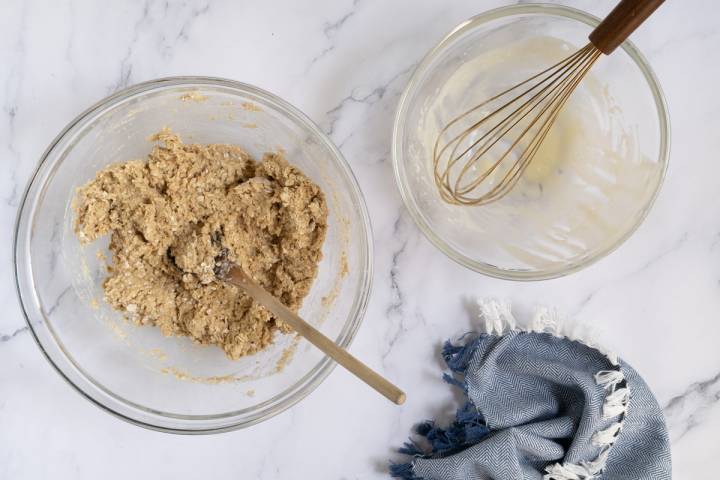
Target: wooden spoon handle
point(237, 276)
point(621, 22)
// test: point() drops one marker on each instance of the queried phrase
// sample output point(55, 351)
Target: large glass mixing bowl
point(134, 372)
point(596, 175)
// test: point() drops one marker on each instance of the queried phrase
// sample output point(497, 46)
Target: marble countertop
point(655, 300)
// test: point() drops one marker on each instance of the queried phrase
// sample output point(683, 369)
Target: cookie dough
point(169, 217)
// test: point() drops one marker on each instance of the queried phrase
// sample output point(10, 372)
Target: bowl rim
point(403, 106)
point(118, 406)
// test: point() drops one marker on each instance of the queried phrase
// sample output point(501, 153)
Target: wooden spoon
point(234, 274)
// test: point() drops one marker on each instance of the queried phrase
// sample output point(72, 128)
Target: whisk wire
point(561, 94)
point(546, 97)
point(459, 139)
point(537, 140)
point(462, 135)
point(508, 123)
point(502, 128)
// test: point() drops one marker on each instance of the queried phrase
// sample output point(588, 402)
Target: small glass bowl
point(135, 373)
point(558, 219)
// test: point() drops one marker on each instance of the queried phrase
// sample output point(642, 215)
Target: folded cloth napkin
point(540, 406)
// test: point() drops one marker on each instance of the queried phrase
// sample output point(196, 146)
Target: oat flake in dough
point(170, 216)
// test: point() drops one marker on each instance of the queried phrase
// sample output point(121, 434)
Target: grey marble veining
point(345, 63)
point(687, 411)
point(10, 336)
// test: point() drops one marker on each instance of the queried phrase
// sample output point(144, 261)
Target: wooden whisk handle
point(621, 22)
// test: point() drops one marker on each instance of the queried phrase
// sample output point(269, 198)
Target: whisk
point(480, 164)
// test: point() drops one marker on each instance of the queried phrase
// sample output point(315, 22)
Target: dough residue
point(193, 97)
point(189, 377)
point(169, 217)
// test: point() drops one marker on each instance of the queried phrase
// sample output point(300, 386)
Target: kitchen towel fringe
point(482, 364)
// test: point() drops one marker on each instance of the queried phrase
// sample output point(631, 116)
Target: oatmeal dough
point(170, 216)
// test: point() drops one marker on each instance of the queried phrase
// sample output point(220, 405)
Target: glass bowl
point(602, 164)
point(172, 384)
